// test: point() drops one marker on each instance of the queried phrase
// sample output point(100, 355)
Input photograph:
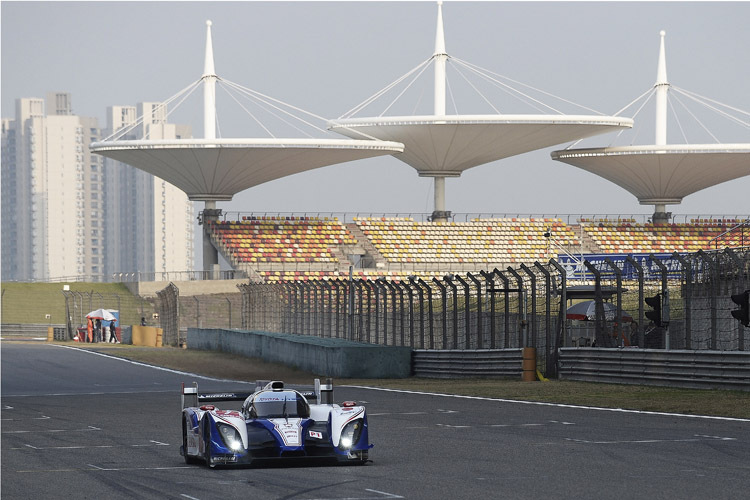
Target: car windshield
point(280, 404)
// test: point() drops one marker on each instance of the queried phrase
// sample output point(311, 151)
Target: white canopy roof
point(663, 174)
point(217, 169)
point(448, 145)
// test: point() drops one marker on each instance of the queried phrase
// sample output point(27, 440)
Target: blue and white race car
point(273, 423)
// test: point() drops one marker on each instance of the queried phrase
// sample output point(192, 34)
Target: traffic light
point(743, 313)
point(655, 304)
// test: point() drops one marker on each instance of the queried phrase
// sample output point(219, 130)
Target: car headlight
point(230, 436)
point(351, 434)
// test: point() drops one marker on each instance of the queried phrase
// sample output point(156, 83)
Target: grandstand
point(291, 248)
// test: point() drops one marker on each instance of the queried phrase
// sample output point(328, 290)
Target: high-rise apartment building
point(146, 205)
point(68, 214)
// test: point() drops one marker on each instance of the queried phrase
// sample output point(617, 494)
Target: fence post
point(740, 288)
point(338, 283)
point(410, 294)
point(420, 294)
point(665, 298)
point(641, 326)
point(392, 287)
point(197, 311)
point(532, 278)
point(243, 312)
point(467, 311)
point(562, 317)
point(400, 288)
point(444, 300)
point(330, 286)
point(522, 340)
point(480, 330)
point(367, 287)
point(618, 309)
point(599, 324)
point(317, 327)
point(506, 312)
point(687, 298)
point(380, 283)
point(449, 279)
point(298, 308)
point(490, 289)
point(547, 313)
point(430, 313)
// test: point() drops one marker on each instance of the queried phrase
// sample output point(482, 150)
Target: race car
point(273, 423)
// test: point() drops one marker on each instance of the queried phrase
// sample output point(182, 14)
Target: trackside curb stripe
point(540, 403)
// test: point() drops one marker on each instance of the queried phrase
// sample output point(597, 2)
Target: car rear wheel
point(207, 452)
point(188, 459)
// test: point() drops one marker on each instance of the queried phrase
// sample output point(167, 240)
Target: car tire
point(363, 457)
point(207, 451)
point(188, 459)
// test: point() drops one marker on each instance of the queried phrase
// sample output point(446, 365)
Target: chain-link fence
point(169, 316)
point(486, 310)
point(528, 306)
point(693, 290)
point(523, 307)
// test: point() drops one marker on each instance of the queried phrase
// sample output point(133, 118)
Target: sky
point(326, 57)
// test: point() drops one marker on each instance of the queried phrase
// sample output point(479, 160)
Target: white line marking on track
point(153, 366)
point(95, 468)
point(382, 494)
point(540, 403)
point(389, 495)
point(90, 428)
point(721, 438)
point(649, 441)
point(83, 447)
point(188, 496)
point(396, 413)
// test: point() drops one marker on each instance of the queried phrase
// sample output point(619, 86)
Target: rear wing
point(192, 398)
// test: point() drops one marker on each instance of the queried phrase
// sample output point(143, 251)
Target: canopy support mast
point(440, 214)
point(661, 216)
point(210, 212)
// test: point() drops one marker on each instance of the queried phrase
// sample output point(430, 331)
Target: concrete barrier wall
point(328, 357)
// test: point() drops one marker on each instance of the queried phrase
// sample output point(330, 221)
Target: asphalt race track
point(77, 424)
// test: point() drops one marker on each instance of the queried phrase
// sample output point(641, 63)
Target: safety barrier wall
point(674, 368)
point(323, 356)
point(467, 363)
point(26, 330)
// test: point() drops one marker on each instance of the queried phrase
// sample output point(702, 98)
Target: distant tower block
point(442, 145)
point(662, 174)
point(212, 169)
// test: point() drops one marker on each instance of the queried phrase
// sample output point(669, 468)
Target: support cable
point(480, 70)
point(507, 88)
point(382, 91)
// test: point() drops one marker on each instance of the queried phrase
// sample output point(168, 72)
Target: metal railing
point(574, 219)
